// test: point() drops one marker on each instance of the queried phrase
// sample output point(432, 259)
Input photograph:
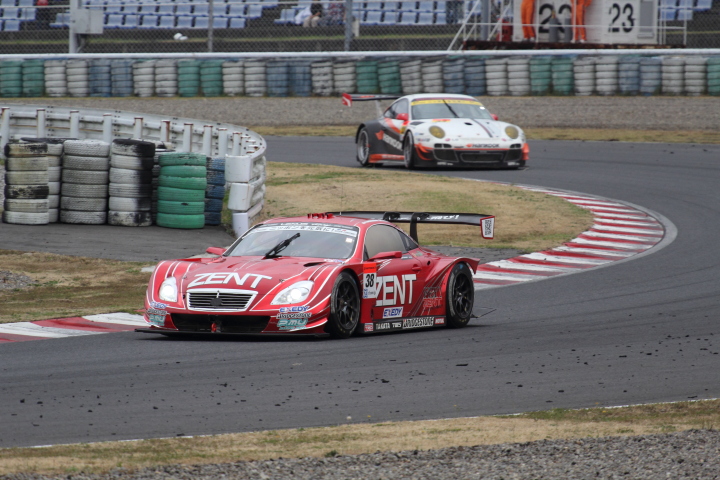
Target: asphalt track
point(646, 330)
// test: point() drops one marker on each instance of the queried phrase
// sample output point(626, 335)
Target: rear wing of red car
point(485, 222)
point(349, 98)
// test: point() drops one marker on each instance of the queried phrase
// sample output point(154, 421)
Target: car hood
point(464, 129)
point(254, 273)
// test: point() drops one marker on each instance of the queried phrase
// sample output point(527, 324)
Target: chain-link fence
point(156, 26)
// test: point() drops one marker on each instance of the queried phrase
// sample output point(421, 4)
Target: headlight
point(437, 132)
point(295, 293)
point(512, 132)
point(168, 290)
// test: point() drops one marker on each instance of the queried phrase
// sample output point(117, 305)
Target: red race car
point(328, 273)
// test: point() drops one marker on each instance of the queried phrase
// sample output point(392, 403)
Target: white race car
point(438, 130)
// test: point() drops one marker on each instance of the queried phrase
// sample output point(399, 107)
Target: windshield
point(449, 108)
point(316, 240)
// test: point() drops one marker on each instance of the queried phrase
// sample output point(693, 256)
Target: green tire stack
point(540, 75)
point(33, 78)
point(388, 74)
point(713, 76)
point(11, 78)
point(181, 190)
point(188, 72)
point(562, 75)
point(211, 78)
point(366, 75)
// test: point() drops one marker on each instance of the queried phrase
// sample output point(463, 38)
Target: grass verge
point(580, 134)
point(365, 437)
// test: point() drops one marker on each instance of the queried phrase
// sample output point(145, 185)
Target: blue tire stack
point(215, 191)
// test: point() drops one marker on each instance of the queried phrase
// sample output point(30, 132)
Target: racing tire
point(129, 219)
point(78, 204)
point(25, 150)
point(188, 183)
point(460, 296)
point(17, 164)
point(84, 191)
point(87, 148)
point(169, 220)
point(89, 177)
point(344, 307)
point(26, 177)
point(75, 162)
point(181, 194)
point(167, 159)
point(409, 156)
point(363, 148)
point(26, 205)
point(83, 218)
point(25, 218)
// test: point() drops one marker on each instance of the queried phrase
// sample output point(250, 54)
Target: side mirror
point(215, 250)
point(494, 117)
point(386, 256)
point(403, 116)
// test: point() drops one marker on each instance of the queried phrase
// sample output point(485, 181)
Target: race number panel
point(606, 21)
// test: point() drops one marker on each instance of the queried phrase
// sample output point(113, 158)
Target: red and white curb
point(620, 231)
point(70, 327)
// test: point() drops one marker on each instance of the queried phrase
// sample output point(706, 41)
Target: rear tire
point(460, 296)
point(409, 152)
point(363, 148)
point(344, 307)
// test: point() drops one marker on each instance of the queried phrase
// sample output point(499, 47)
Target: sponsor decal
point(446, 100)
point(394, 290)
point(368, 327)
point(487, 145)
point(390, 141)
point(291, 323)
point(439, 320)
point(225, 277)
point(156, 317)
point(432, 297)
point(441, 120)
point(293, 309)
point(488, 227)
point(418, 322)
point(296, 315)
point(443, 217)
point(387, 326)
point(158, 305)
point(369, 278)
point(393, 312)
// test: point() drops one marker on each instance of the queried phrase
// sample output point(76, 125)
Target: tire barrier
point(166, 78)
point(344, 78)
point(496, 75)
point(278, 80)
point(245, 177)
point(519, 76)
point(650, 75)
point(562, 75)
point(130, 189)
point(144, 78)
point(583, 75)
point(389, 78)
point(300, 77)
point(366, 74)
point(76, 72)
point(85, 175)
point(454, 75)
point(215, 191)
point(322, 78)
point(255, 79)
point(211, 78)
point(121, 182)
point(26, 184)
point(673, 75)
point(11, 78)
point(475, 83)
point(695, 75)
point(432, 76)
point(181, 190)
point(606, 75)
point(411, 77)
point(56, 78)
point(121, 78)
point(629, 75)
point(99, 78)
point(33, 78)
point(233, 78)
point(713, 75)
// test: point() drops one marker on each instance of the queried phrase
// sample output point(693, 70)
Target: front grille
point(219, 300)
point(445, 155)
point(223, 323)
point(482, 157)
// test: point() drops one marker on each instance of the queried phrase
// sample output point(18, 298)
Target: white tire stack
point(322, 78)
point(519, 76)
point(233, 77)
point(83, 196)
point(166, 78)
point(255, 78)
point(54, 156)
point(432, 76)
point(650, 75)
point(144, 78)
point(131, 175)
point(411, 77)
point(629, 75)
point(76, 72)
point(673, 75)
point(26, 184)
point(497, 76)
point(606, 75)
point(344, 77)
point(584, 75)
point(695, 75)
point(55, 78)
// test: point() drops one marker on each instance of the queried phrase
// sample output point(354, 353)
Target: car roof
point(423, 96)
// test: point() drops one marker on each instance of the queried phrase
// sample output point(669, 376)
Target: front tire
point(409, 152)
point(460, 296)
point(344, 307)
point(363, 148)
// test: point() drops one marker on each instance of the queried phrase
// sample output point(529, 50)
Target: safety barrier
point(563, 72)
point(235, 144)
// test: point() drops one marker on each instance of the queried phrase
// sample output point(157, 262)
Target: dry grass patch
point(586, 134)
point(70, 286)
point(525, 220)
point(363, 438)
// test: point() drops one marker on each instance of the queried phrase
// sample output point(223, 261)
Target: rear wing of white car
point(349, 98)
point(485, 222)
